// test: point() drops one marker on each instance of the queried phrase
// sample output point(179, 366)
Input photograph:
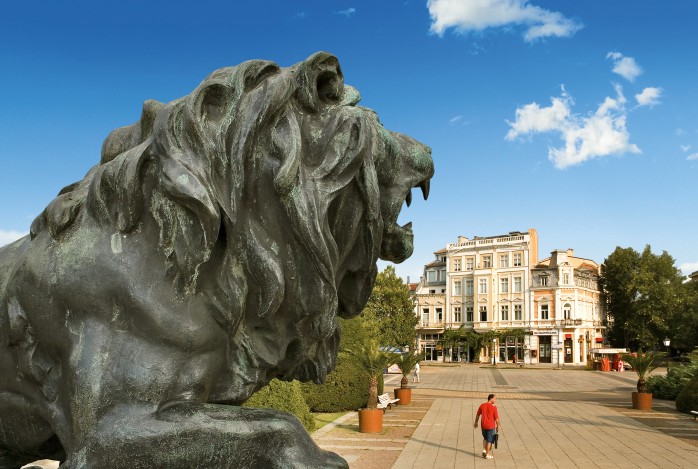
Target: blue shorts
point(489, 435)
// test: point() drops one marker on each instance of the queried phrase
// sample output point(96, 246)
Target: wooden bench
point(384, 401)
point(694, 413)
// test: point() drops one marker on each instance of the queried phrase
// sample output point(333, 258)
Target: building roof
point(441, 251)
point(412, 286)
point(435, 264)
point(577, 263)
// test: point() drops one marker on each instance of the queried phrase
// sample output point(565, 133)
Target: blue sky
point(577, 118)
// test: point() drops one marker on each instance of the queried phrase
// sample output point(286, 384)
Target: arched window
point(567, 310)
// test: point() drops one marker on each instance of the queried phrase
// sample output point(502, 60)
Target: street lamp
point(667, 342)
point(495, 351)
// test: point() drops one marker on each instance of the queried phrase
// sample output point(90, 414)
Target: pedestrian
point(489, 424)
point(415, 378)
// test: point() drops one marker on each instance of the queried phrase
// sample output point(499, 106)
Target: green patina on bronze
point(211, 250)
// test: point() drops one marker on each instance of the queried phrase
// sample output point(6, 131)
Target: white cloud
point(680, 132)
point(624, 66)
point(348, 12)
point(649, 96)
point(478, 15)
point(6, 237)
point(685, 148)
point(688, 267)
point(693, 156)
point(602, 133)
point(453, 120)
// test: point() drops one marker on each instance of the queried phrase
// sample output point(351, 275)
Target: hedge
point(284, 396)
point(687, 400)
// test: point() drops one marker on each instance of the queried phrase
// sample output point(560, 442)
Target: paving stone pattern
point(550, 419)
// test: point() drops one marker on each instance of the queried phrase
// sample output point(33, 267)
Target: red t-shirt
point(489, 414)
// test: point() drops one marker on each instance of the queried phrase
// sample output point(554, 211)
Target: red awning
point(599, 340)
point(568, 336)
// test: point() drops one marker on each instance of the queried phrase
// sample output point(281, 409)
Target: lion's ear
point(212, 101)
point(320, 81)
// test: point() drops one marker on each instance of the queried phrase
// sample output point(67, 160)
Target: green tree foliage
point(643, 364)
point(644, 297)
point(389, 314)
point(372, 360)
point(284, 396)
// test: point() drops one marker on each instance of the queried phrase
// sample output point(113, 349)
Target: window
point(504, 285)
point(439, 315)
point(567, 310)
point(456, 265)
point(482, 285)
point(469, 287)
point(504, 310)
point(486, 262)
point(425, 316)
point(469, 313)
point(517, 259)
point(457, 314)
point(483, 313)
point(566, 278)
point(544, 311)
point(517, 285)
point(469, 263)
point(432, 291)
point(518, 313)
point(543, 280)
point(504, 261)
point(431, 275)
point(443, 258)
point(457, 288)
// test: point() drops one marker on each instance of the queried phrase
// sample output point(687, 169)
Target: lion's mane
point(262, 186)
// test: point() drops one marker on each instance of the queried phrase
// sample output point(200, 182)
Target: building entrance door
point(568, 351)
point(544, 343)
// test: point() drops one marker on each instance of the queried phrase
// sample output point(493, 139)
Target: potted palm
point(643, 364)
point(406, 362)
point(372, 360)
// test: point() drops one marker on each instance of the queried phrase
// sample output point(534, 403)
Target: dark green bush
point(687, 400)
point(344, 389)
point(668, 387)
point(284, 396)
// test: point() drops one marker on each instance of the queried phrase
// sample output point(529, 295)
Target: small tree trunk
point(403, 382)
point(372, 393)
point(641, 385)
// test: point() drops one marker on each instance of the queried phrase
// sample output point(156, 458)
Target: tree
point(389, 314)
point(643, 294)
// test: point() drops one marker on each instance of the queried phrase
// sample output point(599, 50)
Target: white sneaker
point(489, 456)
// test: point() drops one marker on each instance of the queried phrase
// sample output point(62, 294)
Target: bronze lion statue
point(211, 250)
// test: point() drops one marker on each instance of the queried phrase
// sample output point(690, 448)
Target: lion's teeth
point(425, 189)
point(408, 199)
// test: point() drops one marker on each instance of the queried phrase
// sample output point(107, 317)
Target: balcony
point(570, 322)
point(431, 325)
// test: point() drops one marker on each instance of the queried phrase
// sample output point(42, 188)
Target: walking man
point(489, 424)
point(415, 378)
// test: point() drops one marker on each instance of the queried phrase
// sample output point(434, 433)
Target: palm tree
point(643, 364)
point(406, 362)
point(372, 360)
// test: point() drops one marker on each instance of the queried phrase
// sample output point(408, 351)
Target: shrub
point(687, 400)
point(285, 396)
point(344, 389)
point(668, 387)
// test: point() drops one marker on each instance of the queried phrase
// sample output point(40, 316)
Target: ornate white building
point(496, 283)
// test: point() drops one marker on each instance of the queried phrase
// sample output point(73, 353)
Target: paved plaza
point(550, 419)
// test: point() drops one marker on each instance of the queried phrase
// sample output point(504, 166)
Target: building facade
point(551, 307)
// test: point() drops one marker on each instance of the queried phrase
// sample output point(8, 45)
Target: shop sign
point(546, 332)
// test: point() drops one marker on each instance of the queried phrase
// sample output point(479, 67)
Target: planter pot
point(370, 420)
point(404, 394)
point(642, 400)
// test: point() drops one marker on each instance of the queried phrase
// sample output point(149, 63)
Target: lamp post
point(667, 343)
point(495, 351)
